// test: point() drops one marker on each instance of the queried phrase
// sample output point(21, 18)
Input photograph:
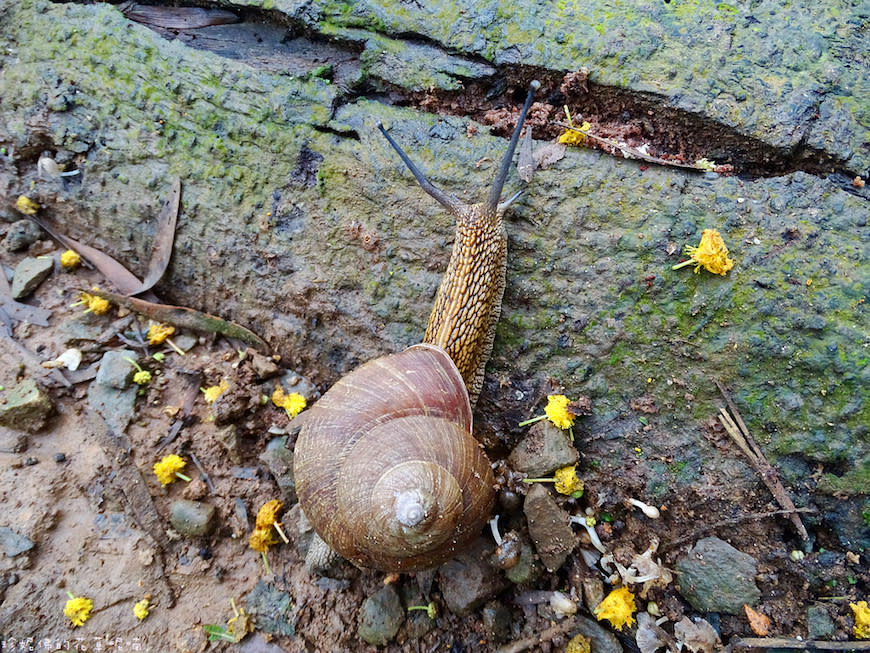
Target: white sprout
point(48, 166)
point(589, 524)
point(650, 511)
point(493, 526)
point(562, 605)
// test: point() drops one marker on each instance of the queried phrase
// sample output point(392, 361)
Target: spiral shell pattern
point(416, 484)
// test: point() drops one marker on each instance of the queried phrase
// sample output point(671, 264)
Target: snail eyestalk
point(504, 168)
point(448, 201)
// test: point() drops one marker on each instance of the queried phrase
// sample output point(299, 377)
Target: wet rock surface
point(716, 577)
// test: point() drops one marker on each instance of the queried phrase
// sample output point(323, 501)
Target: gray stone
point(293, 382)
point(21, 234)
point(29, 273)
point(544, 449)
point(230, 406)
point(819, 622)
point(185, 342)
point(14, 544)
point(115, 370)
point(264, 367)
point(116, 406)
point(548, 527)
point(26, 408)
point(380, 616)
point(192, 518)
point(527, 569)
point(470, 580)
point(271, 608)
point(279, 459)
point(716, 577)
point(601, 640)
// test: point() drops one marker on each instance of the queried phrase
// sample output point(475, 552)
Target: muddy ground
point(85, 495)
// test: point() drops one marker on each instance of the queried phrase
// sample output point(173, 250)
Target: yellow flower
point(167, 470)
point(70, 259)
point(97, 305)
point(618, 608)
point(567, 481)
point(215, 391)
point(572, 136)
point(141, 609)
point(262, 538)
point(268, 514)
point(711, 254)
point(158, 333)
point(142, 377)
point(557, 411)
point(26, 205)
point(579, 644)
point(294, 403)
point(78, 609)
point(862, 619)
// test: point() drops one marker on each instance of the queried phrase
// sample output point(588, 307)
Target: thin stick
point(729, 522)
point(798, 644)
point(545, 636)
point(736, 428)
point(205, 476)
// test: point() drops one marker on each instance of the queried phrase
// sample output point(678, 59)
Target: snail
point(387, 470)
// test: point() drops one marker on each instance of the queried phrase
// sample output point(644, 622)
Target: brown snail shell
point(387, 470)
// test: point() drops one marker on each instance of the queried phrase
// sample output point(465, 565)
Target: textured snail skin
point(387, 470)
point(399, 424)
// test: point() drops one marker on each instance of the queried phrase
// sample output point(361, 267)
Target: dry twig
point(736, 428)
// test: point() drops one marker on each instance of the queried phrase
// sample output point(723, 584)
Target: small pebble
point(30, 461)
point(60, 457)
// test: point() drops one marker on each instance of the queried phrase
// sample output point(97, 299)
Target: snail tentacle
point(448, 201)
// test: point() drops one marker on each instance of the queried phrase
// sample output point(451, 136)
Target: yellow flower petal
point(294, 403)
point(567, 481)
point(70, 259)
point(166, 469)
point(268, 514)
point(78, 610)
point(158, 333)
point(862, 619)
point(618, 608)
point(557, 411)
point(141, 609)
point(215, 391)
point(711, 253)
point(26, 205)
point(262, 538)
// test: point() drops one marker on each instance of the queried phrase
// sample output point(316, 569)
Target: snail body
point(387, 470)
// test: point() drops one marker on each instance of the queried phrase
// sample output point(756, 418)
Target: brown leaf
point(759, 622)
point(526, 161)
point(115, 273)
point(161, 248)
point(184, 317)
